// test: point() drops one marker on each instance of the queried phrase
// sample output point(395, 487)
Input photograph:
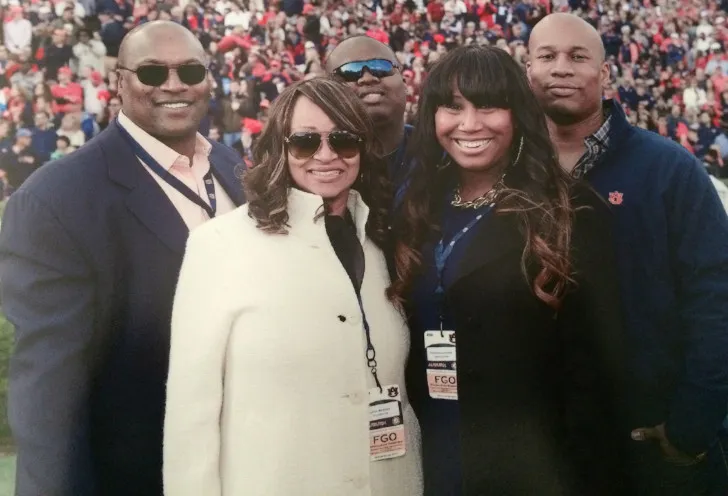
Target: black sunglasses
point(156, 75)
point(304, 145)
point(353, 71)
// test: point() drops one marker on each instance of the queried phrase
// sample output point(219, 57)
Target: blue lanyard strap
point(443, 251)
point(170, 179)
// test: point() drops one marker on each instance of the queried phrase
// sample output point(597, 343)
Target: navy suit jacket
point(90, 250)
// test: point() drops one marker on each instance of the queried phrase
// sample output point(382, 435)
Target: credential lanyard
point(443, 252)
point(371, 353)
point(346, 245)
point(170, 179)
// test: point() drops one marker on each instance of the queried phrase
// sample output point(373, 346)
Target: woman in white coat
point(287, 360)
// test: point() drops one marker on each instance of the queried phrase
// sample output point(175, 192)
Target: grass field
point(7, 475)
point(7, 461)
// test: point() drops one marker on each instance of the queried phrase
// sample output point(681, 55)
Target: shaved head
point(153, 32)
point(358, 47)
point(169, 107)
point(385, 111)
point(567, 68)
point(556, 25)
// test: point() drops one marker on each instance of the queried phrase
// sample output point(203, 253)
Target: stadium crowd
point(58, 85)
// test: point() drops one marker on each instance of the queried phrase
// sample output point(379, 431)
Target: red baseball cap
point(253, 126)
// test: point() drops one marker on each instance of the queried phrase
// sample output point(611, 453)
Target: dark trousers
point(652, 476)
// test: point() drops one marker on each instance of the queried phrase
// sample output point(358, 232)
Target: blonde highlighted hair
point(267, 183)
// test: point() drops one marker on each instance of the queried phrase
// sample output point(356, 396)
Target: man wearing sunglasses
point(90, 252)
point(371, 69)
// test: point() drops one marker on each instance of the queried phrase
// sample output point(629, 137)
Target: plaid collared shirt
point(596, 145)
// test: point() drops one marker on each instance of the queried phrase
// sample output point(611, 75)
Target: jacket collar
point(163, 154)
point(146, 200)
point(618, 123)
point(306, 216)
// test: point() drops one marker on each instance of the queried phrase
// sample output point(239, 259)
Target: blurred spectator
point(721, 144)
point(251, 129)
point(63, 148)
point(58, 54)
point(18, 162)
point(694, 97)
point(66, 93)
point(112, 32)
point(94, 91)
point(17, 32)
point(44, 137)
point(89, 52)
point(71, 129)
point(6, 133)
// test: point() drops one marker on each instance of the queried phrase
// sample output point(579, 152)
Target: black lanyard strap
point(371, 353)
point(170, 179)
point(343, 238)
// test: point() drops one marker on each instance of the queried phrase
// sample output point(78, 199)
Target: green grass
point(7, 476)
point(7, 462)
point(6, 345)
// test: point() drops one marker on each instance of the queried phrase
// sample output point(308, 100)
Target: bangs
point(479, 75)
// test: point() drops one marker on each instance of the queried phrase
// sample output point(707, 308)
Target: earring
point(445, 162)
point(520, 149)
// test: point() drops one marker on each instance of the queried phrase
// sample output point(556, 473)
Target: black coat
point(539, 391)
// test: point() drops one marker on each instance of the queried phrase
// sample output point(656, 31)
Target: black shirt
point(346, 244)
point(55, 58)
point(18, 166)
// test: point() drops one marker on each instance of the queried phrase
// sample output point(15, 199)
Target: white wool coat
point(268, 383)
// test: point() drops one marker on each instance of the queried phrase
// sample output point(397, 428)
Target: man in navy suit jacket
point(90, 250)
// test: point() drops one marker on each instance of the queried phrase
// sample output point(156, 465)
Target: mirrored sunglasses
point(353, 71)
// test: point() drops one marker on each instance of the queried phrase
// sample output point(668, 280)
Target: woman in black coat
point(506, 270)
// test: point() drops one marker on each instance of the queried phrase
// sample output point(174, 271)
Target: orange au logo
point(616, 198)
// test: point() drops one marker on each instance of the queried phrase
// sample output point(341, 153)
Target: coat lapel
point(497, 237)
point(152, 207)
point(230, 177)
point(146, 199)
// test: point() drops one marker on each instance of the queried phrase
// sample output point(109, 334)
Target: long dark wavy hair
point(536, 189)
point(267, 184)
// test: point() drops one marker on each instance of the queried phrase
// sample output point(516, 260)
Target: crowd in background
point(58, 86)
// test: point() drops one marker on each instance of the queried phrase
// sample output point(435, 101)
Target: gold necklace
point(487, 198)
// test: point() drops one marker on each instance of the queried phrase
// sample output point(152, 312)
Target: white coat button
point(361, 482)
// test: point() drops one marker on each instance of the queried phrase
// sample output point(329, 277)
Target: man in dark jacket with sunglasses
point(371, 69)
point(90, 251)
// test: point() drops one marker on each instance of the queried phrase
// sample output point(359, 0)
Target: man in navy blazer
point(90, 250)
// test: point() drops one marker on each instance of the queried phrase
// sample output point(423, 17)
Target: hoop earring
point(520, 150)
point(445, 162)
